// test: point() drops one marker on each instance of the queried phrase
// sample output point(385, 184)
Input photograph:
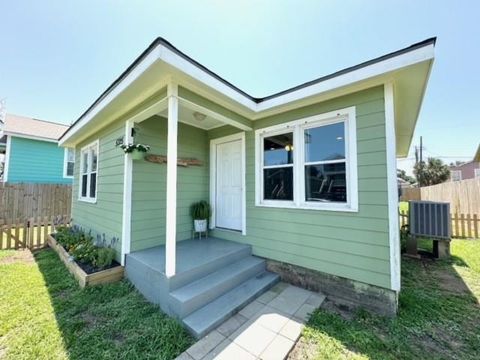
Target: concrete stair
point(207, 292)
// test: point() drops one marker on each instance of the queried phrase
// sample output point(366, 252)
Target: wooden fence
point(28, 212)
point(463, 196)
point(463, 225)
point(31, 233)
point(410, 194)
point(25, 201)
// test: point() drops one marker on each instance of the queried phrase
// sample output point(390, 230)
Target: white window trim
point(476, 173)
point(347, 115)
point(80, 173)
point(458, 178)
point(65, 162)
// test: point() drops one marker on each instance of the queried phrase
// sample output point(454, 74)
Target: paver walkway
point(265, 329)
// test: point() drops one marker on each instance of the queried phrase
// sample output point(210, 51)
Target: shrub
point(105, 257)
point(201, 210)
point(82, 248)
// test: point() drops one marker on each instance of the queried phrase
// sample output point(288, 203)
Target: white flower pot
point(200, 225)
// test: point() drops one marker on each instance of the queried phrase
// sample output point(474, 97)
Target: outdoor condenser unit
point(429, 219)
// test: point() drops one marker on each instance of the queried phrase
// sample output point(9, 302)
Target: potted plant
point(201, 212)
point(137, 150)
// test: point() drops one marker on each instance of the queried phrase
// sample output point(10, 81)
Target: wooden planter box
point(84, 279)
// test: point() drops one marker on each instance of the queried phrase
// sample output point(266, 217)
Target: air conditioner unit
point(429, 219)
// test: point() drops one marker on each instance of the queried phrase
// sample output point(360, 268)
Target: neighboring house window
point(68, 162)
point(309, 163)
point(88, 172)
point(456, 175)
point(477, 173)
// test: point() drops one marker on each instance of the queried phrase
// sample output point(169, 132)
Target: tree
point(433, 172)
point(402, 174)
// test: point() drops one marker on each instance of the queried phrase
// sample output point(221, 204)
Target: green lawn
point(45, 315)
point(439, 316)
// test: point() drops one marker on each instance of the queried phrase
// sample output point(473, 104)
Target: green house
point(31, 153)
point(302, 183)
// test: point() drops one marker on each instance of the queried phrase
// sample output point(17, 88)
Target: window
point(88, 172)
point(309, 163)
point(477, 173)
point(456, 175)
point(68, 162)
point(278, 167)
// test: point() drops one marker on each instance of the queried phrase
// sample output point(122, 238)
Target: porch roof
point(408, 69)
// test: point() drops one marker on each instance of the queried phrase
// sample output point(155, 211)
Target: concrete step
point(193, 296)
point(201, 321)
point(210, 266)
point(148, 281)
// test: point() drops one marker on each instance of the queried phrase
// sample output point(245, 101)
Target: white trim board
point(393, 220)
point(213, 176)
point(348, 116)
point(7, 158)
point(30, 137)
point(179, 67)
point(127, 194)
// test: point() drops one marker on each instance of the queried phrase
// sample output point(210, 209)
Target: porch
point(214, 279)
point(158, 196)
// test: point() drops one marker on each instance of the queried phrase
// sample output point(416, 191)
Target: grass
point(439, 316)
point(45, 315)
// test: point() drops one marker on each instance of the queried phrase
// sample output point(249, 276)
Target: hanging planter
point(138, 151)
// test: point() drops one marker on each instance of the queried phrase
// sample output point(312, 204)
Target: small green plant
point(201, 210)
point(82, 247)
point(104, 257)
point(128, 148)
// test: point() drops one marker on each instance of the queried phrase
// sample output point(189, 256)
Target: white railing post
point(127, 193)
point(171, 206)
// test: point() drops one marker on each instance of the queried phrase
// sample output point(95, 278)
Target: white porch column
point(127, 193)
point(171, 206)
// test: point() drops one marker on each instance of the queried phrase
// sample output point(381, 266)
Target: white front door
point(229, 192)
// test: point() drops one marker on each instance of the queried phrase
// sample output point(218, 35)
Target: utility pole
point(421, 150)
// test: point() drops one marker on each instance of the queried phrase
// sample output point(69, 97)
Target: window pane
point(85, 162)
point(70, 155)
point(93, 184)
point(326, 183)
point(325, 143)
point(70, 166)
point(278, 183)
point(94, 158)
point(278, 149)
point(84, 185)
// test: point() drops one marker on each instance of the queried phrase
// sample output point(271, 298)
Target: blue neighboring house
point(31, 152)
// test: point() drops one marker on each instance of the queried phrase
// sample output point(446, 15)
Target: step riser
point(202, 321)
point(185, 308)
point(187, 277)
point(146, 280)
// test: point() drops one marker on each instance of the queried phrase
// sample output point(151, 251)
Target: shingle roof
point(26, 126)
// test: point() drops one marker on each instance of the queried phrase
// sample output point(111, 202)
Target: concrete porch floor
point(190, 253)
point(267, 328)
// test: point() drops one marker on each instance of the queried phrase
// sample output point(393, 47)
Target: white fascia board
point(185, 66)
point(138, 70)
point(166, 55)
point(362, 74)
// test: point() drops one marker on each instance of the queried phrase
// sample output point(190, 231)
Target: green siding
point(351, 245)
point(104, 216)
point(36, 161)
point(149, 183)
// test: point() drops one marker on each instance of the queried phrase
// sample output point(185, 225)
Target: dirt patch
point(302, 349)
point(343, 310)
point(118, 339)
point(89, 319)
point(451, 282)
point(20, 256)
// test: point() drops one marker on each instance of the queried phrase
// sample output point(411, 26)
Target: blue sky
point(58, 56)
